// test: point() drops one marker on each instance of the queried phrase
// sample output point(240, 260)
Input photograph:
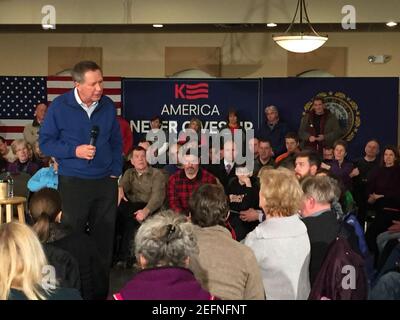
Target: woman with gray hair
point(163, 246)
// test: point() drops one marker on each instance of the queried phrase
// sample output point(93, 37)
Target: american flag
point(18, 98)
point(20, 95)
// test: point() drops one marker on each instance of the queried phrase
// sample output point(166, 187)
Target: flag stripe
point(198, 96)
point(11, 129)
point(196, 86)
point(11, 136)
point(197, 91)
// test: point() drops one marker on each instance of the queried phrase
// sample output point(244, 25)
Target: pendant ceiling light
point(300, 42)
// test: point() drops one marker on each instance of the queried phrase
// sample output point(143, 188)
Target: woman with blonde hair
point(24, 272)
point(280, 243)
point(196, 125)
point(23, 163)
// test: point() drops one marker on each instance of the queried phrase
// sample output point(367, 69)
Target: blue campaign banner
point(179, 100)
point(366, 107)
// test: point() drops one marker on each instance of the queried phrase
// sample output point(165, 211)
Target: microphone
point(94, 133)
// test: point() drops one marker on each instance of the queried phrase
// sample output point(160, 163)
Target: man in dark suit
point(225, 170)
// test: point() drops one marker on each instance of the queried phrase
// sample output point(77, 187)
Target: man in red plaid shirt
point(185, 181)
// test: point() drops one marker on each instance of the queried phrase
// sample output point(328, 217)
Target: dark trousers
point(91, 204)
point(126, 229)
point(361, 198)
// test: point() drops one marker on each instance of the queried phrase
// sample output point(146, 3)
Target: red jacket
point(127, 136)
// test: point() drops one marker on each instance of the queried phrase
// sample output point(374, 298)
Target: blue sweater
point(44, 178)
point(276, 136)
point(67, 126)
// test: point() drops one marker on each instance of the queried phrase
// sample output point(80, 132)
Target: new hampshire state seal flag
point(365, 107)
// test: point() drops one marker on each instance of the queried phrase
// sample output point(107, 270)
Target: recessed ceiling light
point(391, 24)
point(158, 25)
point(271, 25)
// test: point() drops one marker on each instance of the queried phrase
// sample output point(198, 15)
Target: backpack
point(351, 219)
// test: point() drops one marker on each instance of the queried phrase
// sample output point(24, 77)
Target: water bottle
point(10, 185)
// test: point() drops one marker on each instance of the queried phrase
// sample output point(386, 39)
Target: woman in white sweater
point(280, 243)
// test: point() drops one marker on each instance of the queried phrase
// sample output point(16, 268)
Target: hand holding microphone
point(88, 151)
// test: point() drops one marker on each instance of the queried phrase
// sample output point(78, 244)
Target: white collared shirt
point(227, 162)
point(89, 110)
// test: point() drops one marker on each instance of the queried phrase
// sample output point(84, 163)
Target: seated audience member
point(23, 163)
point(158, 138)
point(393, 232)
point(215, 155)
point(164, 245)
point(264, 158)
point(242, 192)
point(341, 167)
point(383, 195)
point(195, 125)
point(6, 152)
point(274, 130)
point(286, 159)
point(361, 173)
point(39, 157)
point(318, 127)
point(31, 130)
point(233, 123)
point(387, 287)
point(281, 243)
point(183, 182)
point(225, 267)
point(327, 153)
point(173, 159)
point(141, 193)
point(381, 184)
point(3, 165)
point(45, 177)
point(234, 127)
point(321, 222)
point(59, 242)
point(307, 164)
point(23, 261)
point(224, 171)
point(344, 202)
point(127, 136)
point(254, 145)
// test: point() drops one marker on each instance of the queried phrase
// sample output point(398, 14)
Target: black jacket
point(219, 171)
point(65, 265)
point(93, 275)
point(242, 198)
point(322, 230)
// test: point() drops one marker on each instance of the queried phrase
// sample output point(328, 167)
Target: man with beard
point(182, 183)
point(307, 164)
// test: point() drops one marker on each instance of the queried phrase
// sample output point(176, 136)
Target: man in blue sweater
point(87, 173)
point(274, 130)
